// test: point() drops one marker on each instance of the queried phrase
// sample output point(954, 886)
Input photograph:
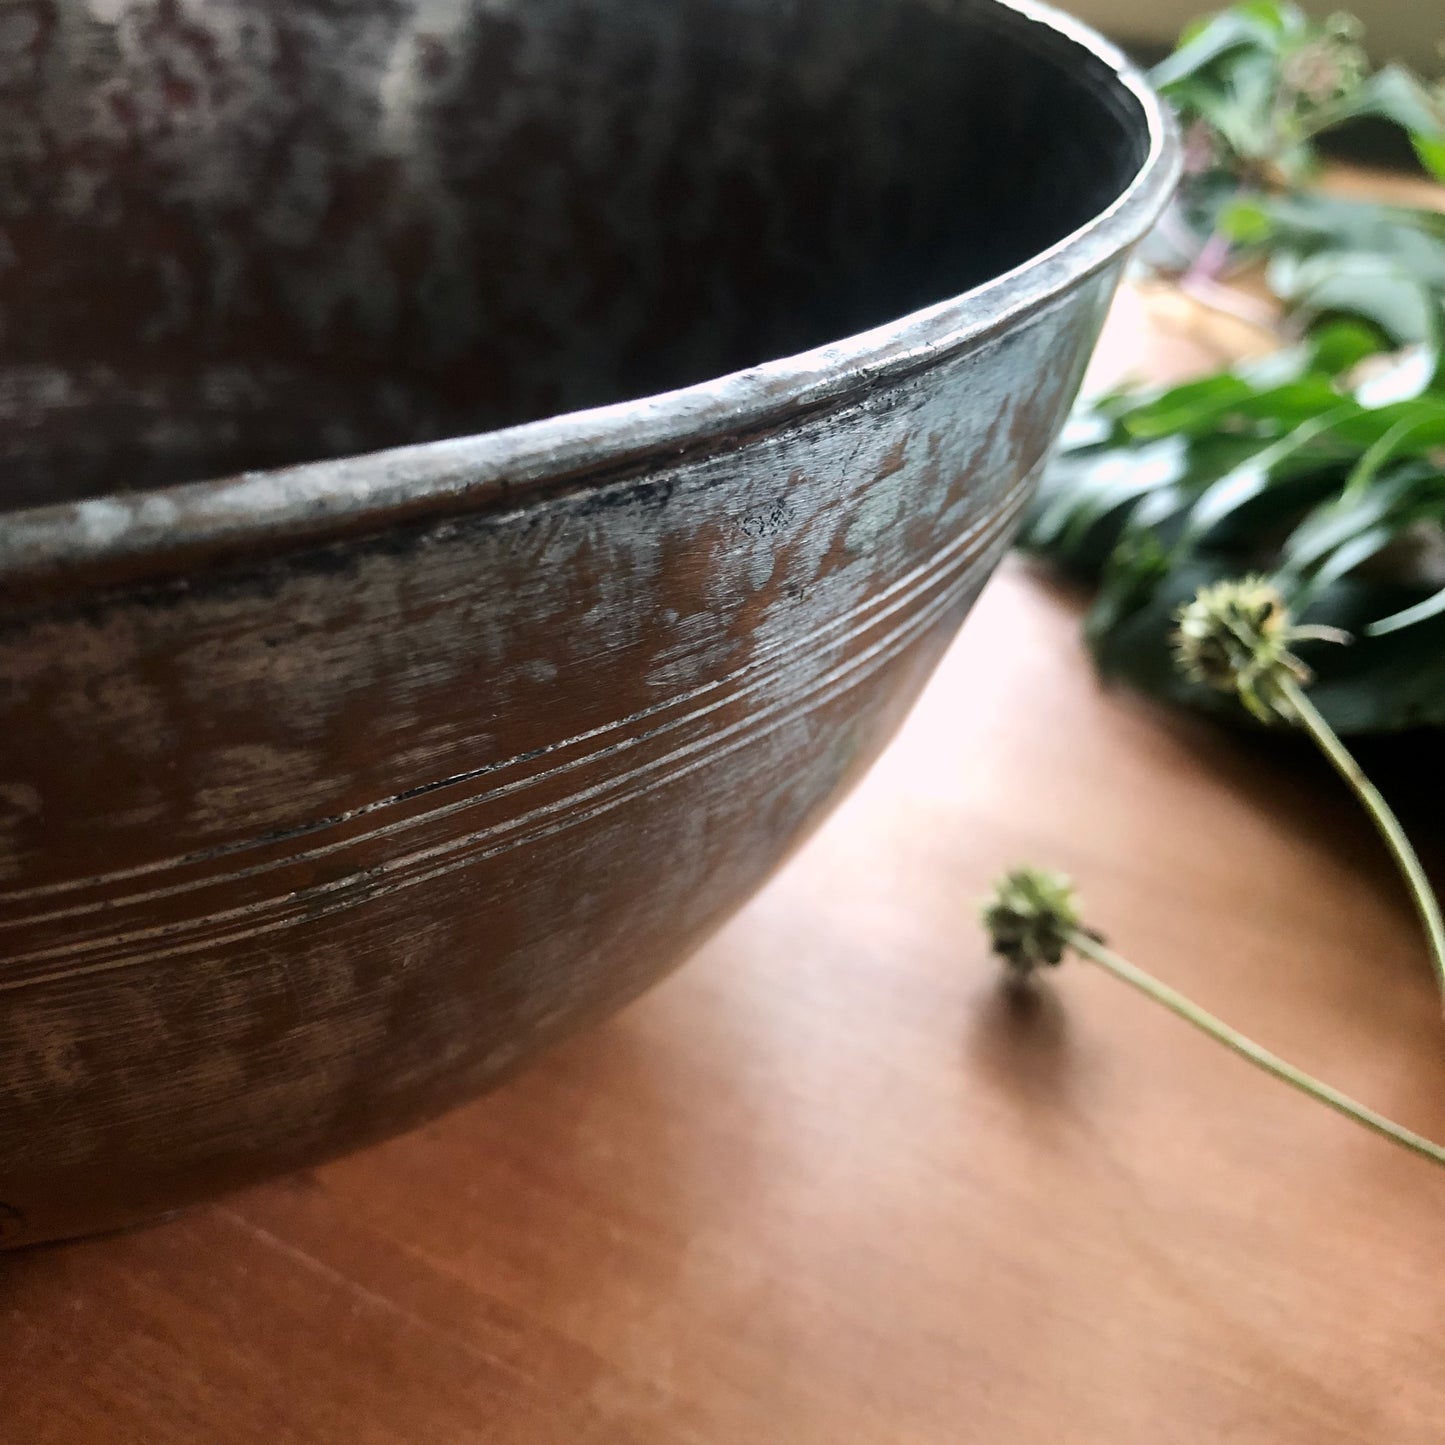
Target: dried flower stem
point(1384, 819)
point(1032, 921)
point(1235, 636)
point(1086, 946)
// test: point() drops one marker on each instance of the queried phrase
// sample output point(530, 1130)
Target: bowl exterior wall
point(298, 852)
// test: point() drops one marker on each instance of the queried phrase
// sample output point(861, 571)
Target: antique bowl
point(332, 789)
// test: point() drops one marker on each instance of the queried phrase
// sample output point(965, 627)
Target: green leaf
point(1274, 397)
point(1364, 426)
point(1359, 283)
point(1432, 606)
point(1194, 406)
point(1323, 462)
point(1395, 94)
point(1246, 482)
point(1242, 27)
point(1307, 223)
point(1431, 150)
point(1392, 442)
point(1291, 403)
point(1083, 488)
point(1383, 683)
point(1280, 19)
point(1245, 222)
point(1346, 517)
point(1347, 553)
point(1091, 496)
point(1337, 346)
point(1137, 568)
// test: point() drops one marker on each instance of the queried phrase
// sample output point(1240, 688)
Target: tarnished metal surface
point(328, 795)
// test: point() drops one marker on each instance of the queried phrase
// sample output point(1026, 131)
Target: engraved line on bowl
point(840, 681)
point(861, 624)
point(783, 646)
point(451, 865)
point(859, 619)
point(181, 927)
point(765, 655)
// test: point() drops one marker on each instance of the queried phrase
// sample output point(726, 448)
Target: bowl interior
point(244, 233)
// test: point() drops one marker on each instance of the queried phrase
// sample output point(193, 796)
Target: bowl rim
point(78, 546)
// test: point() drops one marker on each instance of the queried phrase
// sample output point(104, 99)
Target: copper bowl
point(332, 790)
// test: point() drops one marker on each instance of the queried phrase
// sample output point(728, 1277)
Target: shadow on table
point(1018, 1038)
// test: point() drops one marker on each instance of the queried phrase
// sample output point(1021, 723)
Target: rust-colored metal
point(331, 792)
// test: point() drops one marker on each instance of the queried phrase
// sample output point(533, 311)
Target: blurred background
point(1407, 30)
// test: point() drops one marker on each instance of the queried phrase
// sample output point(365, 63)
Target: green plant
point(1255, 87)
point(1322, 465)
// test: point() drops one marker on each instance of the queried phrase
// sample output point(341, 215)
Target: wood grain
point(829, 1183)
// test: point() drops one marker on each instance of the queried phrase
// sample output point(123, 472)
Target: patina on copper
point(331, 790)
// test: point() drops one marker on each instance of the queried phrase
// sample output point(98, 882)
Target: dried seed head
point(1236, 635)
point(1029, 917)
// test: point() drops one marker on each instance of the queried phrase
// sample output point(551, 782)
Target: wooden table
point(832, 1184)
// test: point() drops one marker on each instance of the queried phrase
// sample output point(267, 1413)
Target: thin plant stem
point(1421, 893)
point(1210, 261)
point(1089, 947)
